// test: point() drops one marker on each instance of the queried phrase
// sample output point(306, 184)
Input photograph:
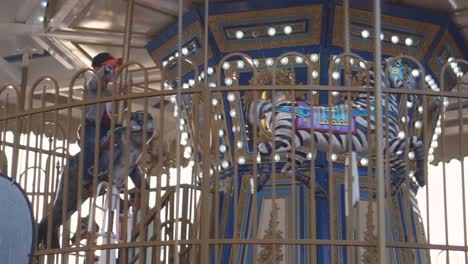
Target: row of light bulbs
point(456, 69)
point(268, 61)
point(270, 31)
point(394, 38)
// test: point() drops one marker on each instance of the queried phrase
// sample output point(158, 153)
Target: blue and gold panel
point(399, 36)
point(192, 48)
point(447, 48)
point(264, 29)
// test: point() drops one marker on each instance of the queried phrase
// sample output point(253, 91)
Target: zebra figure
point(286, 132)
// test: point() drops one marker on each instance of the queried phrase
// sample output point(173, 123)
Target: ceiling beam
point(46, 45)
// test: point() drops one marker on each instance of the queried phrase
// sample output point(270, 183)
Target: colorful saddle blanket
point(323, 117)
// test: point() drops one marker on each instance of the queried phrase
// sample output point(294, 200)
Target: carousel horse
point(322, 120)
point(119, 173)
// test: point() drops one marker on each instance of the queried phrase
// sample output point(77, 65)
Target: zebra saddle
point(323, 118)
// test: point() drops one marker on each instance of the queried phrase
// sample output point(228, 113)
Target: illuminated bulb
point(431, 151)
point(225, 164)
point(409, 104)
point(411, 155)
point(173, 99)
point(431, 82)
point(401, 135)
point(362, 64)
point(222, 148)
point(239, 34)
point(287, 30)
point(185, 85)
point(188, 150)
point(314, 57)
point(259, 158)
point(427, 78)
point(271, 32)
point(335, 75)
point(226, 65)
point(351, 61)
point(256, 62)
point(183, 142)
point(284, 60)
point(434, 144)
point(438, 130)
point(184, 135)
point(411, 174)
point(228, 81)
point(418, 124)
point(241, 160)
point(277, 157)
point(395, 39)
point(202, 76)
point(210, 70)
point(171, 58)
point(450, 59)
point(186, 155)
point(309, 156)
point(420, 109)
point(335, 93)
point(315, 74)
point(164, 63)
point(240, 144)
point(232, 113)
point(446, 102)
point(334, 157)
point(269, 61)
point(185, 51)
point(44, 3)
point(382, 36)
point(403, 119)
point(191, 82)
point(337, 60)
point(41, 19)
point(415, 73)
point(364, 161)
point(221, 133)
point(408, 42)
point(240, 64)
point(399, 152)
point(212, 84)
point(430, 158)
point(231, 97)
point(299, 59)
point(214, 101)
point(365, 34)
point(176, 54)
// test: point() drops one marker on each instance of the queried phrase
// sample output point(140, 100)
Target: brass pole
point(379, 134)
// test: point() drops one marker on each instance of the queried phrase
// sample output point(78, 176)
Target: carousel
point(239, 132)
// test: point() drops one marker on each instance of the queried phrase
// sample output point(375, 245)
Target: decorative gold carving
point(272, 253)
point(370, 255)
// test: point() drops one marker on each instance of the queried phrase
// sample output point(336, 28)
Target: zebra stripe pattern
point(285, 133)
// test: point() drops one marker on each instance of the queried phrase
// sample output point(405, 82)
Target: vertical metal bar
point(379, 134)
point(179, 105)
point(205, 220)
point(127, 36)
point(462, 168)
point(347, 73)
point(444, 177)
point(20, 108)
